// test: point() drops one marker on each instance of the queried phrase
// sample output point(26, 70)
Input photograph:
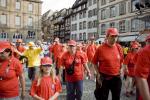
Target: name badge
point(1, 78)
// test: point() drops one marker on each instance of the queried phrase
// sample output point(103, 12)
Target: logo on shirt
point(118, 56)
point(53, 87)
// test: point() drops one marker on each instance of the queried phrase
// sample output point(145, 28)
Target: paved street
point(88, 93)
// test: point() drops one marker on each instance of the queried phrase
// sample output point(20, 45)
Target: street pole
point(98, 18)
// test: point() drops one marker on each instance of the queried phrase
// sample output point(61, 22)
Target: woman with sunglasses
point(11, 73)
point(74, 63)
point(46, 85)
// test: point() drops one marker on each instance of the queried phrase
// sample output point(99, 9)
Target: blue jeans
point(13, 98)
point(74, 90)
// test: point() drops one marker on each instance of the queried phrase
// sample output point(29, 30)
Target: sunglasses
point(46, 65)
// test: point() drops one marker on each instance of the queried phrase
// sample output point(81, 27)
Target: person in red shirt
point(11, 73)
point(129, 69)
point(64, 47)
point(107, 63)
point(56, 50)
point(19, 48)
point(46, 85)
point(74, 63)
point(91, 49)
point(142, 70)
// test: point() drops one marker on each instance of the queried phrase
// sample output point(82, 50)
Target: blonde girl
point(46, 85)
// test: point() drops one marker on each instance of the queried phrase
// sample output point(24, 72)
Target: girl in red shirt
point(46, 86)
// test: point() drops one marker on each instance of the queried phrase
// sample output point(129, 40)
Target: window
point(80, 26)
point(4, 35)
point(122, 26)
point(133, 5)
point(75, 17)
point(94, 1)
point(147, 22)
point(30, 21)
point(3, 19)
point(134, 25)
point(80, 15)
point(103, 14)
point(94, 12)
point(111, 0)
point(17, 36)
point(103, 28)
point(84, 14)
point(90, 2)
point(18, 5)
point(112, 24)
point(18, 20)
point(122, 8)
point(31, 34)
point(84, 25)
point(112, 11)
point(84, 36)
point(80, 36)
point(103, 2)
point(89, 25)
point(83, 6)
point(94, 23)
point(30, 7)
point(90, 13)
point(3, 3)
point(75, 27)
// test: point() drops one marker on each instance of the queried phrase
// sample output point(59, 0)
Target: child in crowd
point(46, 85)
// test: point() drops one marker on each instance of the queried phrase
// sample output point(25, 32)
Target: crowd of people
point(51, 65)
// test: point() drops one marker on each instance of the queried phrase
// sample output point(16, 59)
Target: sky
point(56, 4)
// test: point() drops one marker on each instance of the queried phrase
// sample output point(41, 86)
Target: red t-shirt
point(56, 50)
point(129, 61)
point(9, 84)
point(21, 49)
point(47, 87)
point(109, 59)
point(142, 64)
point(91, 49)
point(80, 59)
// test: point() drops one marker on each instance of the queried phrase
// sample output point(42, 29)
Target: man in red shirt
point(142, 70)
point(107, 60)
point(56, 50)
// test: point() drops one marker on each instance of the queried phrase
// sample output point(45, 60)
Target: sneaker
point(128, 94)
point(132, 93)
point(87, 78)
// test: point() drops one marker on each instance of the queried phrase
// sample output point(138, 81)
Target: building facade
point(67, 19)
point(123, 15)
point(20, 19)
point(47, 26)
point(59, 25)
point(79, 20)
point(92, 19)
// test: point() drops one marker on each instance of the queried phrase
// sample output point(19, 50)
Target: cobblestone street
point(88, 93)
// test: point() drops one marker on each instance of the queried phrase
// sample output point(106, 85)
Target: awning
point(101, 39)
point(127, 38)
point(142, 37)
